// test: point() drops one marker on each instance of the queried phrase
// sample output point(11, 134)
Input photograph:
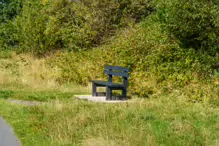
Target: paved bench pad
point(98, 99)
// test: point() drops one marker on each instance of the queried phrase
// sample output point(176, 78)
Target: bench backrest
point(117, 71)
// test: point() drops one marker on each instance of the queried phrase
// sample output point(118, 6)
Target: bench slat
point(116, 68)
point(105, 83)
point(123, 74)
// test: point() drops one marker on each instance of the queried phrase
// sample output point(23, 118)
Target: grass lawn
point(61, 120)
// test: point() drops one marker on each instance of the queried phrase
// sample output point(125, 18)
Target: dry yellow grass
point(26, 70)
point(34, 73)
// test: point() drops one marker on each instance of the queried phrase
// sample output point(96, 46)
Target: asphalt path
point(7, 136)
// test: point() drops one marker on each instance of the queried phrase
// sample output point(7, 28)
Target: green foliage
point(157, 62)
point(33, 95)
point(81, 25)
point(5, 94)
point(167, 44)
point(194, 23)
point(31, 24)
point(43, 26)
point(9, 9)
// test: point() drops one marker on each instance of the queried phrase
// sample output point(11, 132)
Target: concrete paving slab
point(99, 99)
point(7, 136)
point(23, 102)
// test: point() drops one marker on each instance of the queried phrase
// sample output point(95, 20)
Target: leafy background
point(168, 45)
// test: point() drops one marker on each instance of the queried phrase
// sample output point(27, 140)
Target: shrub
point(194, 23)
point(31, 24)
point(158, 64)
point(84, 24)
point(9, 9)
point(41, 26)
point(121, 32)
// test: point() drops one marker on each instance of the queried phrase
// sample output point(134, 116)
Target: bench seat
point(109, 84)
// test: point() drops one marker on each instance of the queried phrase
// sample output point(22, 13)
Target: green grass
point(33, 95)
point(162, 121)
point(16, 91)
point(173, 119)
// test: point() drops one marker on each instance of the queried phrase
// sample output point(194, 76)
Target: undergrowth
point(168, 45)
point(158, 64)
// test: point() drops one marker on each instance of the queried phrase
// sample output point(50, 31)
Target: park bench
point(112, 71)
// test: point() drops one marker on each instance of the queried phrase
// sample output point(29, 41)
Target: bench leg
point(108, 93)
point(94, 90)
point(124, 93)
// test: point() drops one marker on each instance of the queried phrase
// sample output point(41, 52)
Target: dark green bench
point(112, 71)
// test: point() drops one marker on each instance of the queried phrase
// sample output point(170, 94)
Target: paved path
point(7, 137)
point(22, 102)
point(100, 99)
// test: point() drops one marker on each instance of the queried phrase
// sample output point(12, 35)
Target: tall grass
point(184, 116)
point(167, 120)
point(158, 63)
point(26, 71)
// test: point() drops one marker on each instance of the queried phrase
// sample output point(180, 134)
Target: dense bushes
point(157, 62)
point(194, 23)
point(9, 9)
point(43, 26)
point(84, 24)
point(168, 44)
point(31, 24)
